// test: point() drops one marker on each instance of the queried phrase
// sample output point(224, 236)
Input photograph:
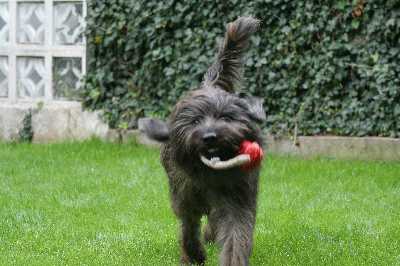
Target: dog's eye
point(226, 118)
point(196, 121)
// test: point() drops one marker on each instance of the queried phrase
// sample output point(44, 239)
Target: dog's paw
point(199, 259)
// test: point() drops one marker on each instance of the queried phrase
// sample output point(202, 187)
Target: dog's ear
point(154, 128)
point(254, 106)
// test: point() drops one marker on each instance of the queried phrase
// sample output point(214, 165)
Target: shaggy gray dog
point(208, 125)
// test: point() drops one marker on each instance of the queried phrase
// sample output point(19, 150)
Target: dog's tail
point(226, 72)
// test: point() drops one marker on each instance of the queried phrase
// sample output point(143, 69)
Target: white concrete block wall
point(42, 60)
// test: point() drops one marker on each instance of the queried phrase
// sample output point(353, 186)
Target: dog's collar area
point(216, 163)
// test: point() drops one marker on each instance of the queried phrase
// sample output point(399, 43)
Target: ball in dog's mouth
point(250, 154)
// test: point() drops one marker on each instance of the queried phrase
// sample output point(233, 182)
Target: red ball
point(254, 150)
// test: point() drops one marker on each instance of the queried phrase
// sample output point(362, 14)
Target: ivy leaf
point(355, 24)
point(391, 22)
point(341, 5)
point(375, 57)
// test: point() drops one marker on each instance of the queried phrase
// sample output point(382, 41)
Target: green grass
point(94, 203)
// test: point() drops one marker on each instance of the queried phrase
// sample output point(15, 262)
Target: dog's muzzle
point(216, 163)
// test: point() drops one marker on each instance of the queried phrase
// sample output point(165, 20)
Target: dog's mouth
point(216, 161)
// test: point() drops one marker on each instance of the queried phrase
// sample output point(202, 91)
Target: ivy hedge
point(323, 67)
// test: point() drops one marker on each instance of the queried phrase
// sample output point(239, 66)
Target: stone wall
point(55, 121)
point(359, 148)
point(355, 148)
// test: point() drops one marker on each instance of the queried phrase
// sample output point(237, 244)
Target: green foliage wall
point(323, 67)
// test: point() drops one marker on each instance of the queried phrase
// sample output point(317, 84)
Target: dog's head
point(209, 122)
point(213, 123)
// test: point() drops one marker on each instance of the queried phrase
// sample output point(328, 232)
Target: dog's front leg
point(236, 237)
point(192, 249)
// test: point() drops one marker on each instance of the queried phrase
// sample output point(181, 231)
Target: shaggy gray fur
point(212, 121)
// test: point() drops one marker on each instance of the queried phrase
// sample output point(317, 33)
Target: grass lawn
point(95, 203)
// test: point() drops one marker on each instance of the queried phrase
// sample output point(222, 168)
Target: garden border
point(50, 122)
point(358, 148)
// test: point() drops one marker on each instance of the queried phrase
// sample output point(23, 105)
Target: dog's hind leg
point(192, 249)
point(235, 234)
point(210, 229)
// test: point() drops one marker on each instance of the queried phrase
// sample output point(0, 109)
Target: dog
point(206, 129)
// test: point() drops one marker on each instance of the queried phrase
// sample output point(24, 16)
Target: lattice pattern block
point(68, 23)
point(67, 74)
point(3, 76)
point(4, 23)
point(31, 74)
point(31, 27)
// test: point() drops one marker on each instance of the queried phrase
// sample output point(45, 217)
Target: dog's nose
point(209, 137)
